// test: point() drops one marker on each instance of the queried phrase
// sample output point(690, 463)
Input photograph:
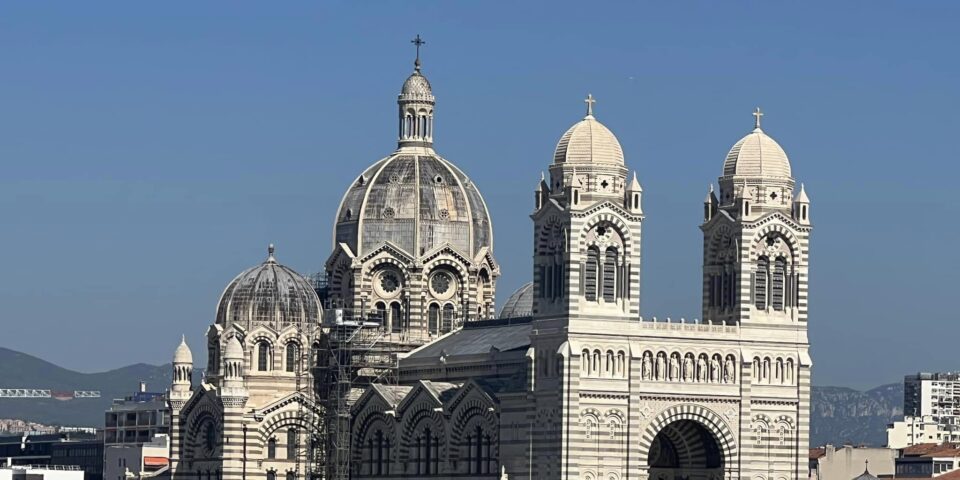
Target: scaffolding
point(347, 353)
point(360, 352)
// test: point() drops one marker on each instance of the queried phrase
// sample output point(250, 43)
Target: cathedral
point(567, 382)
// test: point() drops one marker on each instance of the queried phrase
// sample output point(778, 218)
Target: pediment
point(294, 398)
point(420, 392)
point(551, 206)
point(390, 249)
point(447, 249)
point(472, 389)
point(342, 252)
point(608, 205)
point(782, 218)
point(204, 398)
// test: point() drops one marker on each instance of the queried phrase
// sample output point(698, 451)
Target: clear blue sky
point(151, 151)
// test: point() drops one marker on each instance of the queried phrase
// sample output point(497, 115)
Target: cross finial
point(418, 42)
point(590, 101)
point(757, 114)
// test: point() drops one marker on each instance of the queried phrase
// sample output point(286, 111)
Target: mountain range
point(838, 415)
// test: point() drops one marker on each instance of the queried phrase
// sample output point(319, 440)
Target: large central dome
point(416, 201)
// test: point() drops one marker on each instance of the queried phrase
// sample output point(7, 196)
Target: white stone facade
point(586, 389)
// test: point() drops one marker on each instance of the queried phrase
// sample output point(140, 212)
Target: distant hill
point(839, 415)
point(842, 415)
point(19, 370)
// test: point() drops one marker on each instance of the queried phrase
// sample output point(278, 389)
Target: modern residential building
point(849, 462)
point(137, 461)
point(914, 431)
point(929, 460)
point(931, 410)
point(83, 450)
point(40, 472)
point(136, 419)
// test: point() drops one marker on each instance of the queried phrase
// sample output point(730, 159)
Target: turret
point(542, 193)
point(632, 196)
point(710, 205)
point(182, 369)
point(233, 365)
point(801, 207)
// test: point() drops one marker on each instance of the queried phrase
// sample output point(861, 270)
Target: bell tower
point(587, 223)
point(755, 237)
point(755, 268)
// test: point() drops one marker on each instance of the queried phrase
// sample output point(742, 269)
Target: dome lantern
point(416, 103)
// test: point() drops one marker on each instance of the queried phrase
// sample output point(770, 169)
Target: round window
point(388, 284)
point(443, 285)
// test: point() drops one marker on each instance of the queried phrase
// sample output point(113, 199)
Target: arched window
point(292, 444)
point(433, 318)
point(609, 367)
point(427, 453)
point(760, 281)
point(550, 282)
point(396, 318)
point(776, 284)
point(558, 279)
point(213, 356)
point(381, 313)
point(378, 454)
point(293, 356)
point(211, 437)
point(263, 355)
point(447, 318)
point(590, 276)
point(609, 275)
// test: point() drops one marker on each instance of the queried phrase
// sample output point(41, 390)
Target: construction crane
point(46, 393)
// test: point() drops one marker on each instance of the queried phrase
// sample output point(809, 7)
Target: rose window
point(440, 283)
point(389, 283)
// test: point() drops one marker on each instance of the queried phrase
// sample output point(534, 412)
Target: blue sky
point(150, 152)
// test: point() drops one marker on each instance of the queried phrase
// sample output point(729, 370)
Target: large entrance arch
point(689, 442)
point(685, 450)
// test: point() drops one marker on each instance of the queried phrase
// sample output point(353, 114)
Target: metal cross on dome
point(757, 114)
point(590, 101)
point(418, 42)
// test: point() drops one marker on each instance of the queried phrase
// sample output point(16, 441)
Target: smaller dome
point(416, 84)
point(520, 303)
point(269, 294)
point(234, 350)
point(756, 155)
point(183, 353)
point(588, 141)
